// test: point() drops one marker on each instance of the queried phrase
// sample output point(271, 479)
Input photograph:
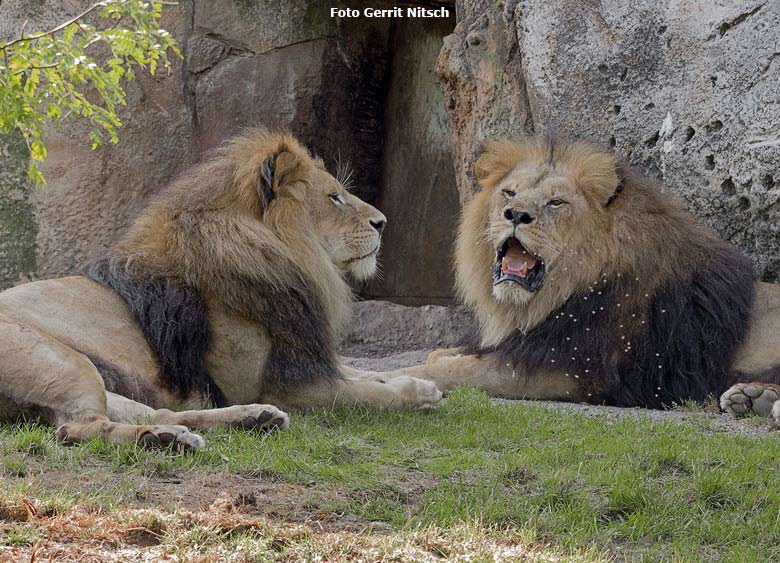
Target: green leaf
point(37, 151)
point(53, 111)
point(48, 74)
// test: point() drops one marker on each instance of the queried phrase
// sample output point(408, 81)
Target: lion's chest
point(237, 354)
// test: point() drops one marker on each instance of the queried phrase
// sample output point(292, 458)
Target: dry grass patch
point(223, 532)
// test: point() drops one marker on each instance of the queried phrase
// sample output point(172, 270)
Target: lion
point(591, 284)
point(227, 292)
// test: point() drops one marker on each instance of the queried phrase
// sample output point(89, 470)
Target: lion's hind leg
point(762, 399)
point(40, 375)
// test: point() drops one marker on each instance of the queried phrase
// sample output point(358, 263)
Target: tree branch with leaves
point(77, 69)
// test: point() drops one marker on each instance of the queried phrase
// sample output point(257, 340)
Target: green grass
point(630, 487)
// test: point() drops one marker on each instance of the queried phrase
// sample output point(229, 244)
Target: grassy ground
point(495, 482)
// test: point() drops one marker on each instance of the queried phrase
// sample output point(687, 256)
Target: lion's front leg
point(398, 392)
point(248, 417)
point(496, 378)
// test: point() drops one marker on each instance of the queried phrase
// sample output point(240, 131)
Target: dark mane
point(173, 319)
point(630, 350)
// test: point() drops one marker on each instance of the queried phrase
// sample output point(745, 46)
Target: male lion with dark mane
point(591, 284)
point(228, 291)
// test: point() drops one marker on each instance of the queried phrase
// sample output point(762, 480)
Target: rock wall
point(687, 91)
point(92, 196)
point(17, 221)
point(18, 224)
point(290, 65)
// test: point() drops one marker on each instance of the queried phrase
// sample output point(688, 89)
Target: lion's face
point(531, 212)
point(542, 215)
point(349, 228)
point(298, 190)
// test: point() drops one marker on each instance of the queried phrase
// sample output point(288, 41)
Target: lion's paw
point(436, 355)
point(261, 417)
point(759, 398)
point(155, 436)
point(171, 435)
point(415, 392)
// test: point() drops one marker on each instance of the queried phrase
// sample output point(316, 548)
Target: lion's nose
point(379, 225)
point(518, 217)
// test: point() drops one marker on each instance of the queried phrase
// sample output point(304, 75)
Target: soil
point(202, 490)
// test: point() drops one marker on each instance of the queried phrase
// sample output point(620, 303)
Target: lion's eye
point(336, 198)
point(556, 203)
point(509, 194)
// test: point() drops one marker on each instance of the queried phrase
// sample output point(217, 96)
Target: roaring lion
point(228, 291)
point(591, 284)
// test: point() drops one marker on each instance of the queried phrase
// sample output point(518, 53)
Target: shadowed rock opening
point(361, 91)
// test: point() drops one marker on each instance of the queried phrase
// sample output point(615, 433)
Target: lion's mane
point(652, 312)
point(200, 243)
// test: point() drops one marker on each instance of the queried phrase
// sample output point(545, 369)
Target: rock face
point(482, 78)
point(686, 91)
point(380, 328)
point(17, 222)
point(92, 196)
point(290, 65)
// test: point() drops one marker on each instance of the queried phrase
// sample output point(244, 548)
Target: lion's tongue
point(517, 261)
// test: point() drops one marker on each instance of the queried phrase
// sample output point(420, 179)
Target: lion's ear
point(498, 159)
point(277, 170)
point(597, 172)
point(265, 184)
point(621, 176)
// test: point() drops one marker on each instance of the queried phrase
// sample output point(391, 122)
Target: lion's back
point(84, 316)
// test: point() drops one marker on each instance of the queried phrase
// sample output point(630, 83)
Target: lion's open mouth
point(517, 265)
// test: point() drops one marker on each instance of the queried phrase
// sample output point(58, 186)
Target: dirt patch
point(287, 502)
point(317, 505)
